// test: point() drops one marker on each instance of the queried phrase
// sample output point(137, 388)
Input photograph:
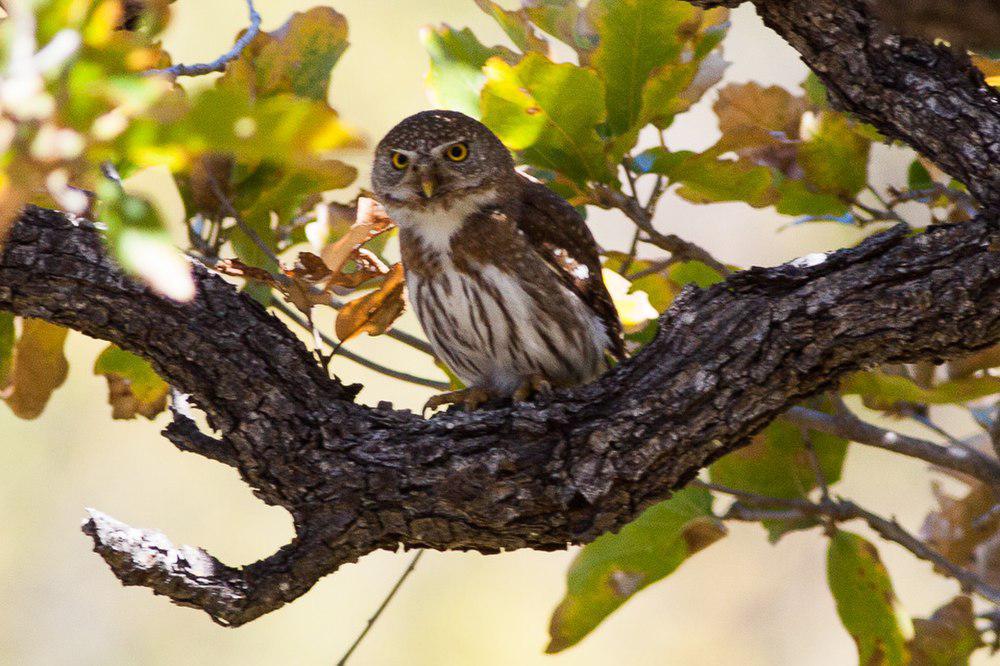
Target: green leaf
point(946, 638)
point(917, 176)
point(880, 390)
point(815, 91)
point(705, 178)
point(133, 386)
point(296, 58)
point(636, 37)
point(614, 567)
point(548, 112)
point(517, 25)
point(796, 198)
point(777, 464)
point(455, 78)
point(835, 156)
point(866, 602)
point(561, 19)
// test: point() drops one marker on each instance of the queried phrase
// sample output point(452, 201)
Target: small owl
point(502, 273)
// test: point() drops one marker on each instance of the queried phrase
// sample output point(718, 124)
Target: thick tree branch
point(725, 362)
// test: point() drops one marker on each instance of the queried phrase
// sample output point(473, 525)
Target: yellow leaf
point(39, 368)
point(634, 308)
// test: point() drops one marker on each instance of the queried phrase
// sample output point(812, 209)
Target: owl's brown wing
point(561, 237)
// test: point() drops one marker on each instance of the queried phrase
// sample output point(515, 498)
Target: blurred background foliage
point(628, 109)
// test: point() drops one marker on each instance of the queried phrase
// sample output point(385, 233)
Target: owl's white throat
point(435, 222)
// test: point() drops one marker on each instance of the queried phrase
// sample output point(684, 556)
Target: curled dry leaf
point(949, 636)
point(374, 312)
point(371, 220)
point(312, 278)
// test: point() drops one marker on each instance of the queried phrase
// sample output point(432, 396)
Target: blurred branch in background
point(219, 64)
point(965, 23)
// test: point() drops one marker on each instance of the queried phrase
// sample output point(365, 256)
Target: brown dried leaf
point(371, 220)
point(761, 124)
point(374, 312)
point(959, 526)
point(948, 637)
point(237, 268)
point(39, 368)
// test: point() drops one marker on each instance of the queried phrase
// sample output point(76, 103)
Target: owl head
point(438, 155)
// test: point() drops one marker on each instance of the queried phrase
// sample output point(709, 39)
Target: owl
point(502, 273)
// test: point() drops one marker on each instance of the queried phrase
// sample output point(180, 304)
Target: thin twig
point(675, 245)
point(231, 211)
point(841, 510)
point(385, 602)
point(219, 64)
point(847, 425)
point(357, 358)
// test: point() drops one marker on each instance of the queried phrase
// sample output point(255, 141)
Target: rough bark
point(726, 361)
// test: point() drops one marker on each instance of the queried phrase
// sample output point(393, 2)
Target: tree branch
point(848, 426)
point(219, 64)
point(842, 510)
point(726, 361)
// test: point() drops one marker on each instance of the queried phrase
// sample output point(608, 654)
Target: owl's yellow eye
point(399, 160)
point(457, 152)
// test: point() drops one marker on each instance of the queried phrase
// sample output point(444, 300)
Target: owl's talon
point(533, 385)
point(470, 398)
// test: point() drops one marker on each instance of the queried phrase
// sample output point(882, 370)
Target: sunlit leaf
point(636, 37)
point(39, 367)
point(296, 58)
point(866, 602)
point(134, 388)
point(517, 25)
point(456, 77)
point(548, 113)
point(607, 572)
point(946, 638)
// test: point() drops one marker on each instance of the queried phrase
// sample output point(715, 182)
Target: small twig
point(357, 358)
point(230, 210)
point(219, 64)
point(842, 510)
point(385, 602)
point(632, 250)
point(845, 424)
point(675, 245)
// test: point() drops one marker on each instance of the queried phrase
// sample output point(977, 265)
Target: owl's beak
point(428, 184)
